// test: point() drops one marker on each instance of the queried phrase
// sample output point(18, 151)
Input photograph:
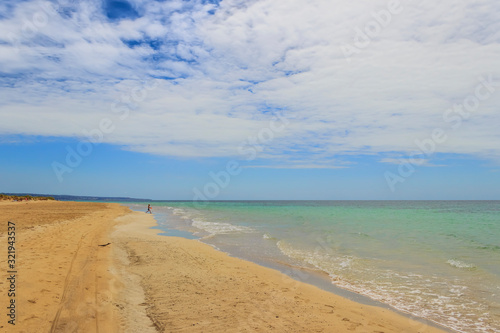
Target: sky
point(255, 99)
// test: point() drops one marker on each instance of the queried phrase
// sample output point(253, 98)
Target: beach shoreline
point(181, 275)
point(145, 282)
point(426, 259)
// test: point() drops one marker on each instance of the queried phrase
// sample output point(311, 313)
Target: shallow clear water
point(439, 260)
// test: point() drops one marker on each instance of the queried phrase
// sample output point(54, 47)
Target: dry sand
point(62, 281)
point(143, 282)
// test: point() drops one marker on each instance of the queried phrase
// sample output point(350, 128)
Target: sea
point(436, 260)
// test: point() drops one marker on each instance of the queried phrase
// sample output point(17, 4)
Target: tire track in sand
point(66, 283)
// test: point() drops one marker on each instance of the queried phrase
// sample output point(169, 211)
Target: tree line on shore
point(23, 198)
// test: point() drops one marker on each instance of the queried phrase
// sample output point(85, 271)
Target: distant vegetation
point(59, 197)
point(23, 198)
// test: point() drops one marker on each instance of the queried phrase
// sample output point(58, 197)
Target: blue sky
point(302, 99)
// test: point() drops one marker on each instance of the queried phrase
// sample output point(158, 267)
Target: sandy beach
point(63, 283)
point(143, 282)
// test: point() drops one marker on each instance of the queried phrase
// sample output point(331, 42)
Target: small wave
point(178, 211)
point(326, 262)
point(267, 236)
point(460, 264)
point(181, 213)
point(218, 228)
point(362, 234)
point(489, 247)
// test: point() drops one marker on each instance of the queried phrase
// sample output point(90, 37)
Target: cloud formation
point(199, 78)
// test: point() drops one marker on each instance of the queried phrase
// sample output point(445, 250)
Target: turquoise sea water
point(439, 260)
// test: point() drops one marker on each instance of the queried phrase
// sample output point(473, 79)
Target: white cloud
point(230, 70)
point(417, 160)
point(294, 166)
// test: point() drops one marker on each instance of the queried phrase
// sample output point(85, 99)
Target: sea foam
point(218, 228)
point(460, 264)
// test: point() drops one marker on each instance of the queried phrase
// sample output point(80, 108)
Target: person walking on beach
point(150, 211)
